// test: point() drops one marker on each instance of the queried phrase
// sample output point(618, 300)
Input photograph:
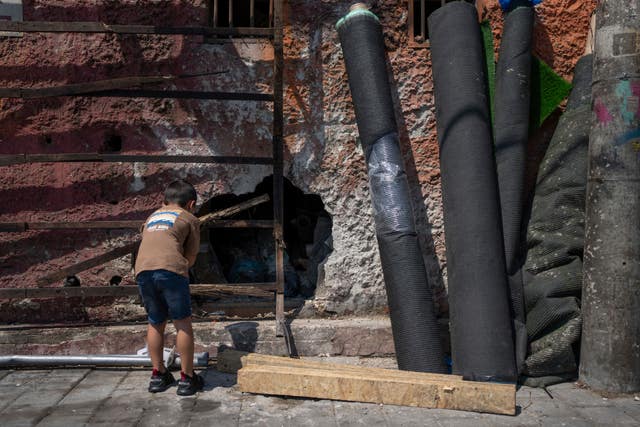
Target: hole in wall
point(112, 143)
point(247, 255)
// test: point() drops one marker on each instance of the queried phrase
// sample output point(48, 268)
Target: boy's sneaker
point(189, 385)
point(161, 381)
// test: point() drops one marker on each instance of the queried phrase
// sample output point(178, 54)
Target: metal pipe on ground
point(413, 321)
point(513, 82)
point(108, 360)
point(481, 329)
point(610, 348)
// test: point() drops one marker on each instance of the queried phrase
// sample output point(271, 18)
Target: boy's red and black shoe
point(189, 385)
point(160, 381)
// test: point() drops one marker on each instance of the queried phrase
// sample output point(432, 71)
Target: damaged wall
point(321, 153)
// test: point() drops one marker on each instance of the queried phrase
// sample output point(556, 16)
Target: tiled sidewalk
point(76, 397)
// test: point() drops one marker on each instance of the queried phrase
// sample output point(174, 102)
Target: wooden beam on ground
point(11, 159)
point(255, 359)
point(366, 386)
point(99, 27)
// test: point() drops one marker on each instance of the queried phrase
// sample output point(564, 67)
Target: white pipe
point(199, 360)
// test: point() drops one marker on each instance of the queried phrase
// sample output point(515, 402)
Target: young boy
point(170, 244)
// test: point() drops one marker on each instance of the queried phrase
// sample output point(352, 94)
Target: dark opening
point(112, 143)
point(247, 255)
point(419, 17)
point(115, 280)
point(242, 13)
point(48, 140)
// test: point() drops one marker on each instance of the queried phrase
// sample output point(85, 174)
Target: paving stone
point(72, 397)
point(124, 406)
point(360, 414)
point(569, 422)
point(464, 422)
point(601, 415)
point(15, 384)
point(41, 397)
point(576, 396)
point(408, 416)
point(629, 406)
point(260, 411)
point(77, 407)
point(4, 373)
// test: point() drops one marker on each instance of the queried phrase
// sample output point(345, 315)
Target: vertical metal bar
point(270, 13)
point(411, 15)
point(278, 179)
point(252, 8)
point(423, 20)
point(230, 13)
point(215, 13)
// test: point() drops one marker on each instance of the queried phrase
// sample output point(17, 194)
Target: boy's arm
point(192, 244)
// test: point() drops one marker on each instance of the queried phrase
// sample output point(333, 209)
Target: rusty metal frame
point(214, 10)
point(276, 33)
point(278, 178)
point(423, 23)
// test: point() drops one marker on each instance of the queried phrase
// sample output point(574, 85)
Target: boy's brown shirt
point(170, 237)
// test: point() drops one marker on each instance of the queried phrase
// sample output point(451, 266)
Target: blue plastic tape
point(506, 4)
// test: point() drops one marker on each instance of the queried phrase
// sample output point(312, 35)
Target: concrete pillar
point(610, 352)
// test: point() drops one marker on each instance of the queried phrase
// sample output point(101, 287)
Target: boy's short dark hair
point(180, 192)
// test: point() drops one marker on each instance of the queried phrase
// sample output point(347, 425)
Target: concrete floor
point(77, 397)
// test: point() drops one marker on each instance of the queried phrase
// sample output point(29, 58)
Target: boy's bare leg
point(185, 344)
point(155, 345)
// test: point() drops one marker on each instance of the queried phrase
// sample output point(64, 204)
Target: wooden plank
point(367, 387)
point(138, 158)
point(232, 210)
point(87, 264)
point(99, 27)
point(12, 159)
point(110, 225)
point(87, 291)
point(238, 289)
point(132, 247)
point(255, 359)
point(239, 223)
point(245, 309)
point(82, 88)
point(13, 227)
point(264, 290)
point(125, 224)
point(182, 94)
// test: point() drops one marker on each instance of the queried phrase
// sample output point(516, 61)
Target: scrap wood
point(91, 87)
point(231, 289)
point(131, 247)
point(234, 209)
point(255, 359)
point(365, 385)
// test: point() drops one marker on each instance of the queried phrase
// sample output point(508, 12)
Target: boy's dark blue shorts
point(165, 294)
